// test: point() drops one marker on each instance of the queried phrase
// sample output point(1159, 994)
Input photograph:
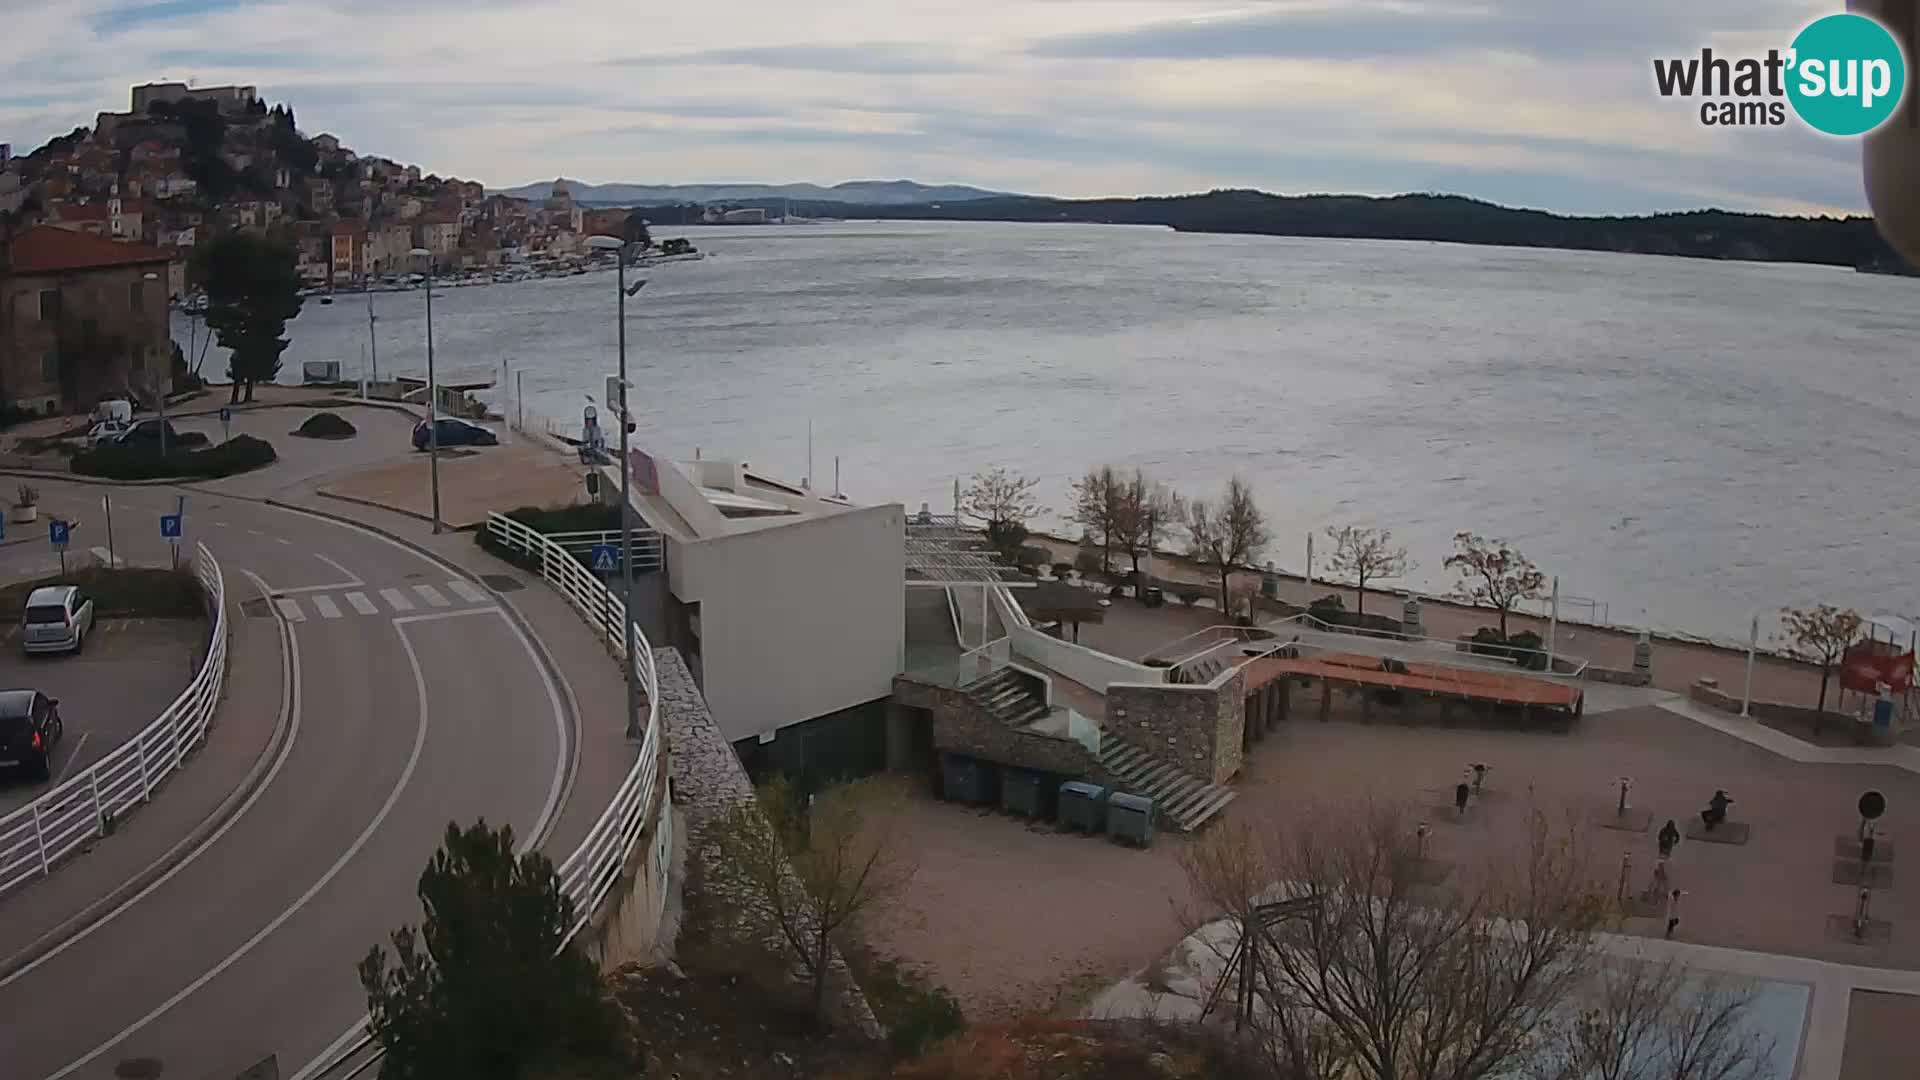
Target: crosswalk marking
point(399, 600)
point(327, 608)
point(467, 591)
point(396, 599)
point(432, 596)
point(290, 609)
point(361, 604)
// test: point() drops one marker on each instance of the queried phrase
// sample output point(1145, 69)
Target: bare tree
point(1229, 535)
point(1095, 506)
point(1363, 555)
point(1403, 979)
point(1641, 1020)
point(1493, 573)
point(1145, 512)
point(1820, 635)
point(1004, 502)
point(805, 871)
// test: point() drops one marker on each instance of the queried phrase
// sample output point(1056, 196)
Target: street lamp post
point(433, 395)
point(619, 248)
point(160, 384)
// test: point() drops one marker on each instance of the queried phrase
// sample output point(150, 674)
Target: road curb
point(519, 618)
point(168, 859)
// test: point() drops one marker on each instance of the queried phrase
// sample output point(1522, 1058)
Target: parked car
point(106, 431)
point(58, 619)
point(455, 432)
point(147, 433)
point(30, 727)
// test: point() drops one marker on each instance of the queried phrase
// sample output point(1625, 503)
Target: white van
point(114, 411)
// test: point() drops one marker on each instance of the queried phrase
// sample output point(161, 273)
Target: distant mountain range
point(862, 192)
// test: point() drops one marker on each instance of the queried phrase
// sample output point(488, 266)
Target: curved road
point(410, 700)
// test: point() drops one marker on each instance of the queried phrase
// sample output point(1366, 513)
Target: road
point(411, 701)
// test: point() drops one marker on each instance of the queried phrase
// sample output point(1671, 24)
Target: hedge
point(240, 454)
point(132, 591)
point(326, 425)
point(577, 517)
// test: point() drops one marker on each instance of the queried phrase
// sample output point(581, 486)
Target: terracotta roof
point(45, 249)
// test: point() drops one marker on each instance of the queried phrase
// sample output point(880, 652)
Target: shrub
point(1031, 558)
point(187, 440)
point(326, 425)
point(240, 454)
point(1191, 594)
point(1087, 562)
point(1523, 648)
point(27, 495)
point(142, 592)
point(1062, 569)
point(576, 517)
point(1329, 602)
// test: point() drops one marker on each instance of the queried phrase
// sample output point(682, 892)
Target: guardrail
point(83, 807)
point(649, 551)
point(591, 872)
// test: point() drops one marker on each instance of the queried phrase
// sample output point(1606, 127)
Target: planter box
point(22, 515)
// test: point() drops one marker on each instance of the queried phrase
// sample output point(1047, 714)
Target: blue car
point(454, 432)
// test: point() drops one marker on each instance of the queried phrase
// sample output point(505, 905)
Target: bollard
point(1643, 654)
point(1626, 868)
point(1860, 913)
point(1626, 785)
point(1421, 834)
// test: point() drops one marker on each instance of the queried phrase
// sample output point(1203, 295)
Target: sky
point(1539, 103)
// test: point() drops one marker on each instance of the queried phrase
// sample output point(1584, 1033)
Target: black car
point(453, 432)
point(30, 727)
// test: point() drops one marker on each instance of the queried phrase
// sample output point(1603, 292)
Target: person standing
point(1669, 838)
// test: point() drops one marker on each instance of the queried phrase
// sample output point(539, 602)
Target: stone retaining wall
point(962, 726)
point(1199, 728)
point(708, 781)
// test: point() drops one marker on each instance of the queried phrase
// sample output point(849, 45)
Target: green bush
point(577, 517)
point(240, 454)
point(137, 592)
point(1191, 594)
point(1087, 561)
point(1329, 602)
point(326, 425)
point(1523, 648)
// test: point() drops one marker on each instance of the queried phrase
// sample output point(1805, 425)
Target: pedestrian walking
point(1669, 838)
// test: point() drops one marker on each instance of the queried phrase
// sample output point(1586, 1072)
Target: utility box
point(1130, 818)
point(1023, 793)
point(1083, 806)
point(963, 780)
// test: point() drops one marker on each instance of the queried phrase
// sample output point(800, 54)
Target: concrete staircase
point(1199, 672)
point(1009, 696)
point(1181, 799)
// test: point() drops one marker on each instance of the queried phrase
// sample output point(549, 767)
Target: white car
point(58, 619)
point(106, 431)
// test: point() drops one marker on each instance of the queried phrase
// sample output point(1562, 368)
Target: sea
point(1686, 445)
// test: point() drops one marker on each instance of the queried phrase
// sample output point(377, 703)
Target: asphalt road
point(412, 702)
point(130, 671)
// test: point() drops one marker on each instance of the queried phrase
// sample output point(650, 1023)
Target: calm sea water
point(1690, 442)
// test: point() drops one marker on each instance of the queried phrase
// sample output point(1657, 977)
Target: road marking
point(72, 757)
point(436, 616)
point(255, 532)
point(284, 540)
point(352, 578)
point(219, 524)
point(328, 609)
point(339, 864)
point(361, 604)
point(289, 717)
point(396, 599)
point(563, 777)
point(290, 609)
point(432, 596)
point(467, 592)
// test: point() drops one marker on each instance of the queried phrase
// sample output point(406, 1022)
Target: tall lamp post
point(621, 292)
point(160, 384)
point(433, 395)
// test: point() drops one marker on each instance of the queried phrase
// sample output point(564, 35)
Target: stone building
point(80, 316)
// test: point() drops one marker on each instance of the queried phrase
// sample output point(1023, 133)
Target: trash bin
point(1153, 596)
point(1021, 792)
point(965, 779)
point(1130, 818)
point(1083, 806)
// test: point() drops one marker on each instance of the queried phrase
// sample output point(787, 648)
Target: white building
point(788, 603)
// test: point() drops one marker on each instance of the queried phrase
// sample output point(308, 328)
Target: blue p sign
point(57, 532)
point(170, 526)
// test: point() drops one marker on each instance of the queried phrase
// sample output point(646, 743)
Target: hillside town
point(98, 228)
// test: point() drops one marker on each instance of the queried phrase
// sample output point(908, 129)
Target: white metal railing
point(591, 872)
point(594, 867)
point(649, 551)
point(85, 806)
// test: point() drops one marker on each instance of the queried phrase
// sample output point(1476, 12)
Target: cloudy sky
point(1545, 103)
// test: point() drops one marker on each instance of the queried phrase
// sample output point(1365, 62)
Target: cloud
point(1542, 103)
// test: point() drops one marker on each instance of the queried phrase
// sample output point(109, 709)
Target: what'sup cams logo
point(1843, 75)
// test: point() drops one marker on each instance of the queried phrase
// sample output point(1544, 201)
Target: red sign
point(1868, 665)
point(646, 478)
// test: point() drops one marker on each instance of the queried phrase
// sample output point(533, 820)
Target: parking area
point(130, 671)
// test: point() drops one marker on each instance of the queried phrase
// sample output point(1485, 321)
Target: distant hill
point(1708, 234)
point(862, 192)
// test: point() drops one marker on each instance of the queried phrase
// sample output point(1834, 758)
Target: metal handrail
point(85, 806)
point(591, 872)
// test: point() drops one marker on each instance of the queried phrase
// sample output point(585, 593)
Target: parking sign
point(169, 526)
point(57, 531)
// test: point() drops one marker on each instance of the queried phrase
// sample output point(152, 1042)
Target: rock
point(1161, 1063)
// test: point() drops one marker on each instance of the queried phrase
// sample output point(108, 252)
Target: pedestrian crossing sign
point(605, 557)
